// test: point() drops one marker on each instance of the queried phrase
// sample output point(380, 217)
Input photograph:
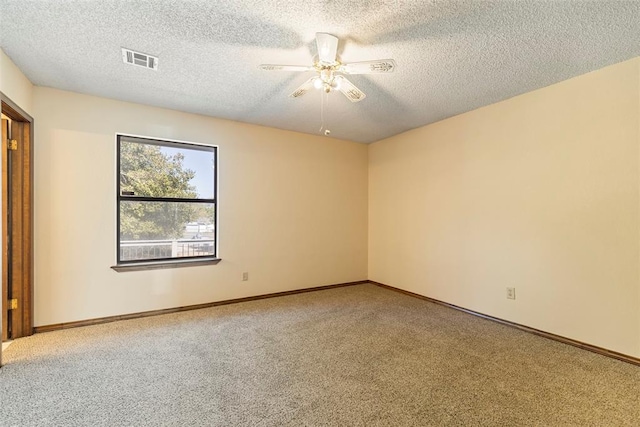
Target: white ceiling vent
point(140, 59)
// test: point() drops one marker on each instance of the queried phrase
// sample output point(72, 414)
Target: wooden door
point(17, 313)
point(5, 227)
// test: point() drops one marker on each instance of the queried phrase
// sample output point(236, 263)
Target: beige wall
point(539, 192)
point(15, 85)
point(292, 210)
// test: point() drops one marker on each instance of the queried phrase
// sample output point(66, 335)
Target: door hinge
point(12, 144)
point(13, 304)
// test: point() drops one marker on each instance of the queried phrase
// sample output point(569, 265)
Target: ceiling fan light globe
point(326, 74)
point(317, 83)
point(337, 82)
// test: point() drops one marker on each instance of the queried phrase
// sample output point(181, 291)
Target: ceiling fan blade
point(327, 47)
point(369, 67)
point(304, 88)
point(349, 90)
point(274, 67)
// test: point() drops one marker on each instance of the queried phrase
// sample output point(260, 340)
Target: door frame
point(24, 211)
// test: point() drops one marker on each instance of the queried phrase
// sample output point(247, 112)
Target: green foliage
point(205, 213)
point(146, 171)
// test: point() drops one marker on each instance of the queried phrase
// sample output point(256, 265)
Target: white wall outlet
point(511, 293)
point(245, 276)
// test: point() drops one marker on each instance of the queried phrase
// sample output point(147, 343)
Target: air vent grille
point(140, 59)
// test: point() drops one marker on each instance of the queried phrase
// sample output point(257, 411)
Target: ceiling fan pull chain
point(327, 131)
point(324, 100)
point(321, 113)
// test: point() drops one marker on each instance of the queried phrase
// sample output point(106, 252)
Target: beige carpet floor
point(354, 356)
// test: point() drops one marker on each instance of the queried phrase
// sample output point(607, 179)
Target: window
point(166, 196)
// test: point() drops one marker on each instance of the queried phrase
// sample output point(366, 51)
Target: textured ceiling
point(452, 56)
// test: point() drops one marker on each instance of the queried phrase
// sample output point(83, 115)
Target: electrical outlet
point(245, 276)
point(511, 293)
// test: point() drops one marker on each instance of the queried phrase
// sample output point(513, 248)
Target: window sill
point(154, 265)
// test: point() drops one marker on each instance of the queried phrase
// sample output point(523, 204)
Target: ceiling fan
point(330, 70)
